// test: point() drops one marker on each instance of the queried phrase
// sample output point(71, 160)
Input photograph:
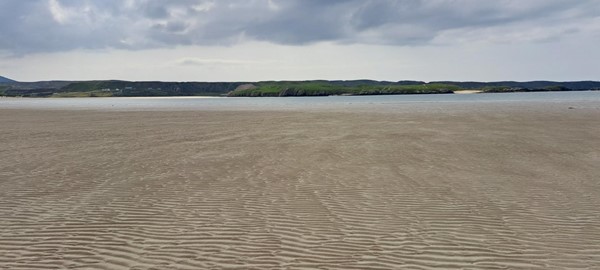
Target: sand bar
point(443, 187)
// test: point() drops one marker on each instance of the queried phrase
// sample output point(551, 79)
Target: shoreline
point(385, 104)
point(459, 92)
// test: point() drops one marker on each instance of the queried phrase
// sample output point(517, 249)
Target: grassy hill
point(324, 88)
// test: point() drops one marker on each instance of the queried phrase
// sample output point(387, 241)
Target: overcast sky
point(249, 40)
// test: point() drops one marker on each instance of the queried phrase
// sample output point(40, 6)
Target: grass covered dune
point(444, 186)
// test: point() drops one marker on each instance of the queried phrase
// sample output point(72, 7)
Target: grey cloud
point(61, 25)
point(172, 26)
point(215, 62)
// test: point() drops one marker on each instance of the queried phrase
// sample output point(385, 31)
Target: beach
point(453, 187)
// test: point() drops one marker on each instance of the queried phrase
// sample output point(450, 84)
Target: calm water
point(277, 103)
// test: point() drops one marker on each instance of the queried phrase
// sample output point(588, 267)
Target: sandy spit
point(468, 91)
point(496, 189)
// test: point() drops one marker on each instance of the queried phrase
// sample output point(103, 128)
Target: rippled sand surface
point(497, 188)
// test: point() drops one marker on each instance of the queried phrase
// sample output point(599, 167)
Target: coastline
point(459, 92)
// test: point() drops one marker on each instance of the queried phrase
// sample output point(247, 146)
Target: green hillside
point(323, 88)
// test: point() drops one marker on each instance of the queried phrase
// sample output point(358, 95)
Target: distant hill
point(40, 84)
point(6, 80)
point(114, 88)
point(577, 85)
point(153, 88)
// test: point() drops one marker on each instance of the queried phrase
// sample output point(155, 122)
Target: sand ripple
point(218, 190)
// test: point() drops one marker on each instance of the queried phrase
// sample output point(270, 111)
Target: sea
point(299, 103)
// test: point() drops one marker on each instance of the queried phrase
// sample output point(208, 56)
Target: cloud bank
point(35, 26)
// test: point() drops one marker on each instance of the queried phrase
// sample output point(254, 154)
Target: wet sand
point(494, 188)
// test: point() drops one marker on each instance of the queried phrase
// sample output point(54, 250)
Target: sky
point(253, 40)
